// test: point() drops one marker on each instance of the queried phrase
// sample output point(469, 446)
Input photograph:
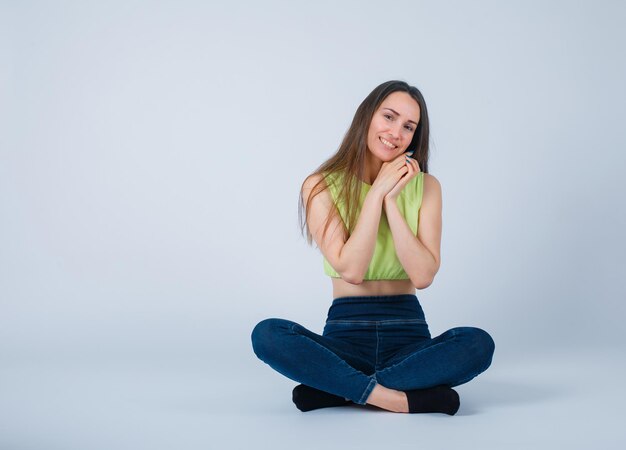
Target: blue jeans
point(369, 340)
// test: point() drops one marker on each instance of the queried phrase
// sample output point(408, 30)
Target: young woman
point(374, 211)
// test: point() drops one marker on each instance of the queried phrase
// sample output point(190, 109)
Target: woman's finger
point(415, 164)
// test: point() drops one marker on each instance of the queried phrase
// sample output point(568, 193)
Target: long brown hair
point(350, 157)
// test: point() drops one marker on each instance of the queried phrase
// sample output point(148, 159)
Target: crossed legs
point(334, 366)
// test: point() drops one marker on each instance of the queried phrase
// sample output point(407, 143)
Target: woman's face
point(393, 126)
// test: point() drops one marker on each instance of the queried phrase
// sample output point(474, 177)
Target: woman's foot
point(389, 399)
point(307, 398)
point(442, 399)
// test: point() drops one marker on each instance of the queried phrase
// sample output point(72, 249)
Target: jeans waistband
point(376, 307)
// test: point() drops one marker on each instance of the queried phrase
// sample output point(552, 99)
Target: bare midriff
point(342, 288)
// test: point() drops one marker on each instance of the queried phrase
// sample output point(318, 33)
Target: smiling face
point(393, 126)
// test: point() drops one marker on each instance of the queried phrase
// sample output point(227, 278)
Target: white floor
point(551, 402)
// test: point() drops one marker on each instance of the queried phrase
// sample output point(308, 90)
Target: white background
point(151, 156)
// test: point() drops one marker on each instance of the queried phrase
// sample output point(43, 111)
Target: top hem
point(375, 279)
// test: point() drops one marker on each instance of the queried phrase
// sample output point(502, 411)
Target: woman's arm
point(419, 255)
point(357, 252)
point(351, 257)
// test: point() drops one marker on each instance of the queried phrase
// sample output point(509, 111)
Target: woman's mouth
point(388, 144)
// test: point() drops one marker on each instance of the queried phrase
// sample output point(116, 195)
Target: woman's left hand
point(413, 171)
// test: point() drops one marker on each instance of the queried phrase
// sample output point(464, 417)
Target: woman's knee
point(479, 343)
point(265, 336)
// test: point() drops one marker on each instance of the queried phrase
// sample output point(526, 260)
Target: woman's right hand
point(390, 173)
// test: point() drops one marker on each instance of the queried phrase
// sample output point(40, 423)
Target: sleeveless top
point(385, 264)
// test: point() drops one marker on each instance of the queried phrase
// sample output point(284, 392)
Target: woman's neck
point(372, 167)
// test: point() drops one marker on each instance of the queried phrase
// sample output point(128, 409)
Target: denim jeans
point(372, 339)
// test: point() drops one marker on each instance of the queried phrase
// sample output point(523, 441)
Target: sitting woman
point(374, 211)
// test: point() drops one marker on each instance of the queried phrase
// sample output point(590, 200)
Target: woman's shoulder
point(431, 182)
point(431, 188)
point(325, 179)
point(312, 180)
point(315, 183)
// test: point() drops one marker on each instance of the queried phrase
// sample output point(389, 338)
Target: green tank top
point(385, 264)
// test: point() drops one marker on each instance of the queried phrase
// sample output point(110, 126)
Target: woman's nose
point(396, 131)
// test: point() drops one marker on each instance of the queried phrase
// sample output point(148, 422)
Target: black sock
point(307, 398)
point(440, 398)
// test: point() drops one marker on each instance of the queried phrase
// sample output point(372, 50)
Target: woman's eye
point(408, 127)
point(388, 116)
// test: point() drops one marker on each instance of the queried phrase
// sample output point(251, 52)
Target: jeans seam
point(374, 322)
point(352, 322)
point(412, 355)
point(368, 390)
point(377, 346)
point(341, 360)
point(401, 321)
